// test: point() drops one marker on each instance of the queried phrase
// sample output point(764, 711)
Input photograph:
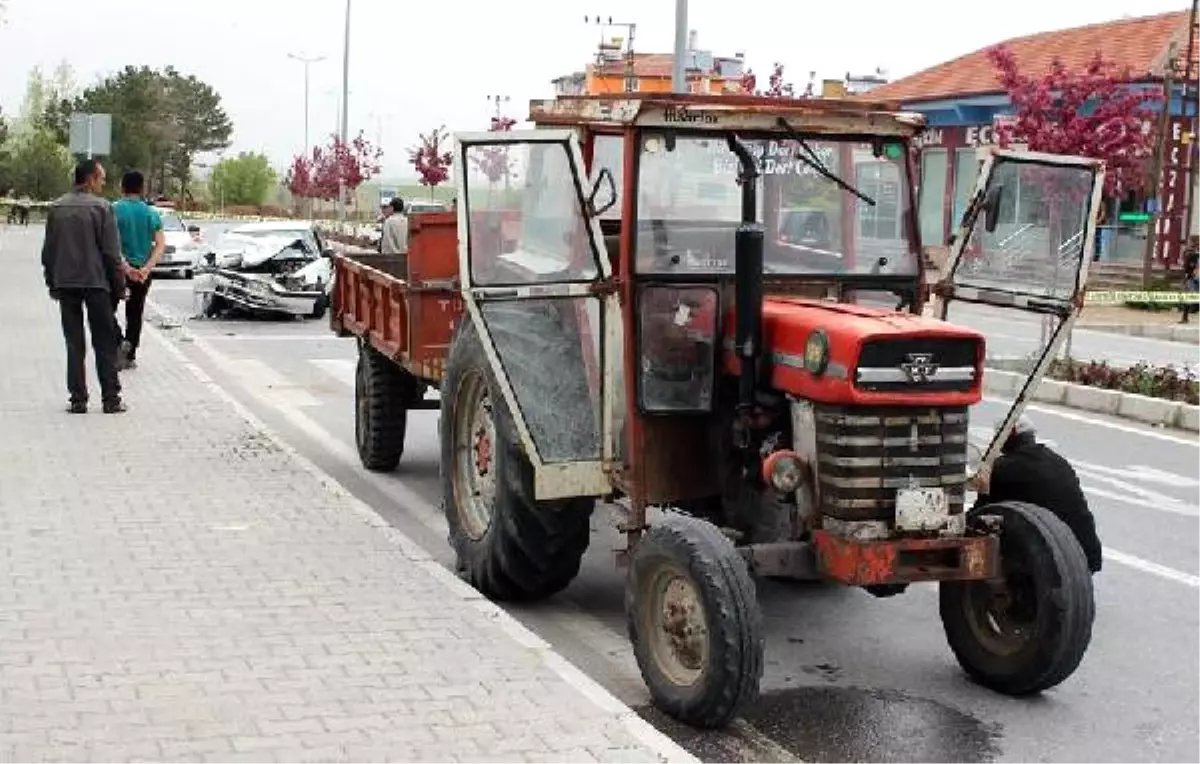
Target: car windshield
point(689, 206)
point(171, 222)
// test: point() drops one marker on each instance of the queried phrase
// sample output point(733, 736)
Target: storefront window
point(933, 193)
point(966, 173)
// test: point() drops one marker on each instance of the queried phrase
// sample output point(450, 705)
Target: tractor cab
point(708, 313)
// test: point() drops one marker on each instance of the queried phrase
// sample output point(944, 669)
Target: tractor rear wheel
point(1029, 631)
point(382, 394)
point(694, 621)
point(509, 546)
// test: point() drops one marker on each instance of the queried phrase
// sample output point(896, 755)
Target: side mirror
point(606, 202)
point(327, 252)
point(991, 207)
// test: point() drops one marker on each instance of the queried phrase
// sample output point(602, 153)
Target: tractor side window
point(607, 152)
point(677, 335)
point(527, 222)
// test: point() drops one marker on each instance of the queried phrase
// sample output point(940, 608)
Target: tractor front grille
point(866, 453)
point(917, 364)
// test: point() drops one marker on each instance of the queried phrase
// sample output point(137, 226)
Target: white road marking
point(1137, 496)
point(1154, 568)
point(1147, 433)
point(235, 337)
point(343, 370)
point(262, 378)
point(340, 369)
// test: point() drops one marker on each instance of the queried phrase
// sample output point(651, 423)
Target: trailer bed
point(405, 311)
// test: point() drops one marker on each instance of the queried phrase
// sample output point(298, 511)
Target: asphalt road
point(849, 677)
point(1011, 333)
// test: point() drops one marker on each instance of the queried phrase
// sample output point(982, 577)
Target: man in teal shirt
point(142, 244)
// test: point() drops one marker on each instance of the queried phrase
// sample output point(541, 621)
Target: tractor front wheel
point(694, 622)
point(1028, 631)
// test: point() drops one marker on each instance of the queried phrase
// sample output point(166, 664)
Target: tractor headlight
point(816, 352)
point(783, 470)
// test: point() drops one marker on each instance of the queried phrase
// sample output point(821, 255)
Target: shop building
point(963, 103)
point(618, 69)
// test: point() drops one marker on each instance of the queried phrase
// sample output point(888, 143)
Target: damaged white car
point(269, 269)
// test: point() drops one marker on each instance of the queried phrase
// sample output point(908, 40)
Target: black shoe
point(77, 407)
point(114, 407)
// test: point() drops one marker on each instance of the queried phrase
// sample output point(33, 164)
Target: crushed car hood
point(252, 250)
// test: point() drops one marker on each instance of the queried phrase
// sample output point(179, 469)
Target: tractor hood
point(839, 353)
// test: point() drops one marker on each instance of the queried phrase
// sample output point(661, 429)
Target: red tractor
point(709, 314)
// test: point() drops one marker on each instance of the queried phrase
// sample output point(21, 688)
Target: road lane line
point(1154, 568)
point(1194, 442)
point(234, 337)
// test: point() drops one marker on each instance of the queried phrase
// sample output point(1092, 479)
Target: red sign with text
point(1173, 192)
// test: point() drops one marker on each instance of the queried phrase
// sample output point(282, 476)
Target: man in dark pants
point(142, 244)
point(81, 260)
point(1029, 471)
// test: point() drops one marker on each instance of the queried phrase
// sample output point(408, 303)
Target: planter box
point(1092, 398)
point(1145, 409)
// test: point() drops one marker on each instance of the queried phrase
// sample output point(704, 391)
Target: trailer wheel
point(382, 391)
point(694, 621)
point(1027, 632)
point(508, 546)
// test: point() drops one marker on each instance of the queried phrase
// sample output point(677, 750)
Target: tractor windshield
point(689, 206)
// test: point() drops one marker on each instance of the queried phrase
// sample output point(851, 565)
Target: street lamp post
point(678, 70)
point(307, 61)
point(345, 114)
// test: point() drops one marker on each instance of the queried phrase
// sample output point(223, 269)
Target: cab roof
point(720, 113)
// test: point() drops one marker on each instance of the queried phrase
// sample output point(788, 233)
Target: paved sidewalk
point(182, 586)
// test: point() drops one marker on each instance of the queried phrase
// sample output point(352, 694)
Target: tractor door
point(1018, 266)
point(531, 259)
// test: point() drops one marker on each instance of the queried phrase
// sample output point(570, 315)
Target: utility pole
point(1191, 113)
point(307, 61)
point(498, 99)
point(679, 65)
point(631, 84)
point(345, 128)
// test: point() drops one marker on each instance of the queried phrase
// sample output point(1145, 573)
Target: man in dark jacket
point(1029, 471)
point(81, 259)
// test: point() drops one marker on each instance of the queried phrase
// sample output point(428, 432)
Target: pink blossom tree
point(494, 161)
point(1094, 113)
point(431, 162)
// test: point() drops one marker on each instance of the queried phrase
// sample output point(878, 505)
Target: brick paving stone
point(180, 586)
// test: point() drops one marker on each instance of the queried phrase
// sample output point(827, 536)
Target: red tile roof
point(1140, 44)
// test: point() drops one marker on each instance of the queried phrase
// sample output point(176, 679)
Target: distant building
point(610, 73)
point(963, 101)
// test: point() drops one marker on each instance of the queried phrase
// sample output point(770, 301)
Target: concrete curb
point(1141, 408)
point(1189, 333)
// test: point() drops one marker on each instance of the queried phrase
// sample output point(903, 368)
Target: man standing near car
point(81, 262)
point(142, 244)
point(394, 237)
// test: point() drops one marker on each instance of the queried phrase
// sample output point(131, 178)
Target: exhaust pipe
point(748, 278)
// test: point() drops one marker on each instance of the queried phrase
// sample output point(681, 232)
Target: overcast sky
point(415, 65)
